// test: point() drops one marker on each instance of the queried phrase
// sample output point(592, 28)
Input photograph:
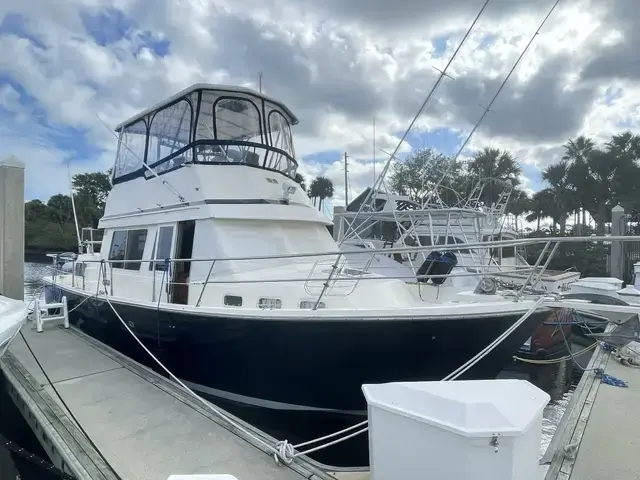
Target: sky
point(71, 71)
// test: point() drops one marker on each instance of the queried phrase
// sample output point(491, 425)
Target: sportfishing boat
point(12, 315)
point(395, 220)
point(213, 256)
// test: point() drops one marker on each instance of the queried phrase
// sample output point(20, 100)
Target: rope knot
point(285, 452)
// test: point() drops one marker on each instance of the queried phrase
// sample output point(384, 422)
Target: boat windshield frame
point(207, 126)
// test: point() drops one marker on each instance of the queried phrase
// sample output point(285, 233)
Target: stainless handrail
point(478, 245)
point(372, 253)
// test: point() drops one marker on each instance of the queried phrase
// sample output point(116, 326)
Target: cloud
point(66, 68)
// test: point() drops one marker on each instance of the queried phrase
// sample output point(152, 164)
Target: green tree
point(300, 180)
point(90, 195)
point(576, 153)
point(51, 226)
point(519, 204)
point(541, 206)
point(321, 188)
point(423, 172)
point(565, 200)
point(495, 164)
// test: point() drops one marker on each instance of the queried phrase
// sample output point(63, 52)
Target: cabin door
point(181, 269)
point(160, 266)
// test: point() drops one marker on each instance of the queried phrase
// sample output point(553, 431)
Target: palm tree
point(321, 188)
point(557, 176)
point(519, 204)
point(603, 177)
point(576, 153)
point(495, 164)
point(299, 179)
point(541, 206)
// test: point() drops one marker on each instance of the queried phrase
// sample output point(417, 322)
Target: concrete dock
point(599, 435)
point(144, 426)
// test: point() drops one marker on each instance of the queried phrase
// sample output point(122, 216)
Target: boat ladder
point(43, 314)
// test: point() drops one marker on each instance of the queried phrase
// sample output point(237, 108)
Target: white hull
point(12, 315)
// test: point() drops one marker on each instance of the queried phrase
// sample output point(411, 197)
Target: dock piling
point(12, 228)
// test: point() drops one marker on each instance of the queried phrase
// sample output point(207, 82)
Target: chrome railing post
point(326, 283)
point(546, 264)
point(205, 283)
point(153, 273)
point(533, 270)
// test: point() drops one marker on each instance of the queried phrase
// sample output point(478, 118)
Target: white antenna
point(164, 182)
point(346, 182)
point(260, 81)
point(73, 207)
point(374, 150)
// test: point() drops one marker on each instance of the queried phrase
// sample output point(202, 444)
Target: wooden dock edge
point(574, 420)
point(63, 441)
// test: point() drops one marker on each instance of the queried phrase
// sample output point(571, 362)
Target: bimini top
point(207, 124)
point(208, 86)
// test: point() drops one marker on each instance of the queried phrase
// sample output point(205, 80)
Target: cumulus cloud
point(65, 68)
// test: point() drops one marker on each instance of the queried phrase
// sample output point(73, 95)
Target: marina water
point(558, 380)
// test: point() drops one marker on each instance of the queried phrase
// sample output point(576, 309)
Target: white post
point(38, 317)
point(65, 312)
point(618, 228)
point(12, 228)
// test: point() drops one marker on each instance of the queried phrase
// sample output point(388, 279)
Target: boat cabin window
point(169, 134)
point(233, 300)
point(127, 245)
point(269, 303)
point(131, 149)
point(309, 304)
point(162, 248)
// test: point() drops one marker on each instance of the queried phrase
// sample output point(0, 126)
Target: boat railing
point(338, 271)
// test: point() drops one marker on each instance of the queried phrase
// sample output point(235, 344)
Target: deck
point(600, 429)
point(143, 425)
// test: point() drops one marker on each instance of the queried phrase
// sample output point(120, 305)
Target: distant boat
point(12, 315)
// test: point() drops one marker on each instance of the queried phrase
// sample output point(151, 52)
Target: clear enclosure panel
point(280, 138)
point(169, 133)
point(280, 133)
point(131, 147)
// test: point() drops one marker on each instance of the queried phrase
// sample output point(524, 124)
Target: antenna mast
point(346, 182)
point(374, 150)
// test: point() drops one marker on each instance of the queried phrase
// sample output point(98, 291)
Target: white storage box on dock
point(462, 430)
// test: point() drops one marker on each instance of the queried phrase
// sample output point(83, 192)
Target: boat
point(12, 316)
point(214, 258)
point(394, 219)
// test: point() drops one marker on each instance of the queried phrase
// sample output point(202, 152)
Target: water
point(558, 380)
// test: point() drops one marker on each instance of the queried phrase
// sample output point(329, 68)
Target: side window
point(135, 248)
point(118, 247)
point(162, 248)
point(127, 245)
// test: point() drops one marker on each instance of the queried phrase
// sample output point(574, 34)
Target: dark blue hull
point(297, 379)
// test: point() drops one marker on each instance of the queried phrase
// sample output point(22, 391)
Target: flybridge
point(207, 124)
